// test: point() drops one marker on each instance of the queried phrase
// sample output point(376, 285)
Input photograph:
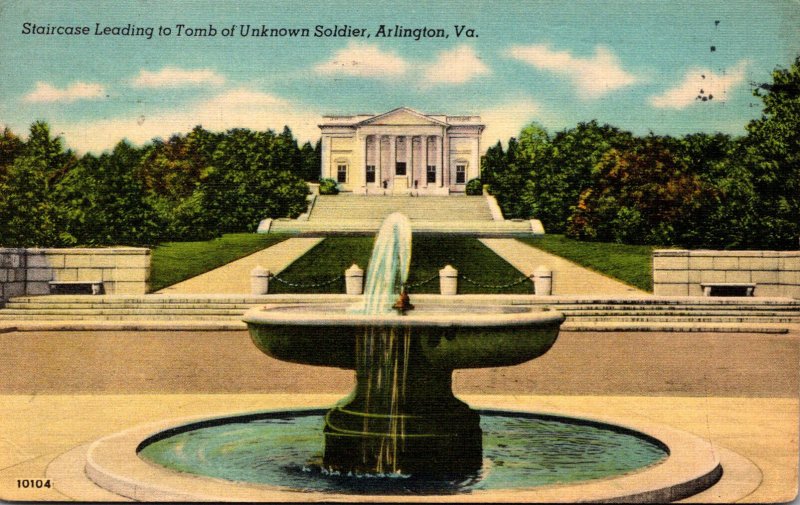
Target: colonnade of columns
point(387, 173)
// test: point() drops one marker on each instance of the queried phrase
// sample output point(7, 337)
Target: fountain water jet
point(402, 416)
point(388, 266)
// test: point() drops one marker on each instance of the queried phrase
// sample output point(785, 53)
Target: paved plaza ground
point(61, 390)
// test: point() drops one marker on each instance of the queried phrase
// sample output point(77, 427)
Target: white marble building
point(401, 151)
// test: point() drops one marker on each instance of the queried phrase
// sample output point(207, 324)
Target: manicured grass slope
point(429, 254)
point(629, 263)
point(173, 262)
point(472, 259)
point(328, 259)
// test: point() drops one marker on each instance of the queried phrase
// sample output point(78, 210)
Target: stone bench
point(76, 287)
point(728, 288)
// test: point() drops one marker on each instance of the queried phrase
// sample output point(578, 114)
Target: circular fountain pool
point(275, 456)
point(520, 451)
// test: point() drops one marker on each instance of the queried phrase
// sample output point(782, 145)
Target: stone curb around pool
point(693, 466)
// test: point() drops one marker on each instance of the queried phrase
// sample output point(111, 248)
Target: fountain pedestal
point(432, 445)
point(402, 416)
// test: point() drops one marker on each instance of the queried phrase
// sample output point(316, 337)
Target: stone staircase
point(424, 208)
point(772, 315)
point(630, 311)
point(347, 213)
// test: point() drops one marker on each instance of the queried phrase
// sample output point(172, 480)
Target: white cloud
point(455, 66)
point(507, 119)
point(364, 60)
point(237, 108)
point(47, 93)
point(699, 82)
point(172, 77)
point(593, 77)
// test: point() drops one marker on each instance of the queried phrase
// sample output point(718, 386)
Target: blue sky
point(638, 65)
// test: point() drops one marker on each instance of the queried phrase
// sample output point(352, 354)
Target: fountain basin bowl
point(446, 336)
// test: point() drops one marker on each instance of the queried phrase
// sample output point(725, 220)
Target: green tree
point(509, 178)
point(111, 203)
point(11, 147)
point(558, 181)
point(285, 153)
point(250, 180)
point(642, 196)
point(773, 156)
point(725, 212)
point(31, 213)
point(492, 163)
point(310, 161)
point(172, 173)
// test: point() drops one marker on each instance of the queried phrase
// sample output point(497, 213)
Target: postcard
point(451, 251)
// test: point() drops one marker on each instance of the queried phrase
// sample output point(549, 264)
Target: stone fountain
point(402, 433)
point(402, 417)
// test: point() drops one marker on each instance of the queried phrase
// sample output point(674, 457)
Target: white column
point(478, 156)
point(378, 179)
point(324, 172)
point(409, 161)
point(424, 142)
point(359, 169)
point(365, 153)
point(392, 157)
point(440, 171)
point(446, 156)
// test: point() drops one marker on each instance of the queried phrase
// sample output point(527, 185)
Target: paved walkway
point(568, 277)
point(234, 278)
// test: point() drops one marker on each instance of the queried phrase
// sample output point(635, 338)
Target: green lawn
point(429, 254)
point(631, 264)
point(173, 262)
point(328, 259)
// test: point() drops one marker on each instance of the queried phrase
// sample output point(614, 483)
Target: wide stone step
point(134, 311)
point(145, 306)
point(686, 319)
point(677, 304)
point(673, 327)
point(334, 208)
point(467, 227)
point(678, 310)
point(679, 313)
point(122, 317)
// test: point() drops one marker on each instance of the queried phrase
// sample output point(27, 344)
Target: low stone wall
point(122, 270)
point(680, 272)
point(12, 272)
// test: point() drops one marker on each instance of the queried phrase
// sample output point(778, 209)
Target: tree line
point(597, 182)
point(191, 187)
point(591, 182)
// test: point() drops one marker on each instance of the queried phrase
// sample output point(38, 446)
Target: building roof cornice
point(359, 120)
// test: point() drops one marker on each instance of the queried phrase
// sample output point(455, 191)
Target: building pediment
point(401, 117)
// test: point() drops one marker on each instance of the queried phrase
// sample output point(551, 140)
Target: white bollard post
point(543, 281)
point(259, 280)
point(354, 280)
point(448, 280)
